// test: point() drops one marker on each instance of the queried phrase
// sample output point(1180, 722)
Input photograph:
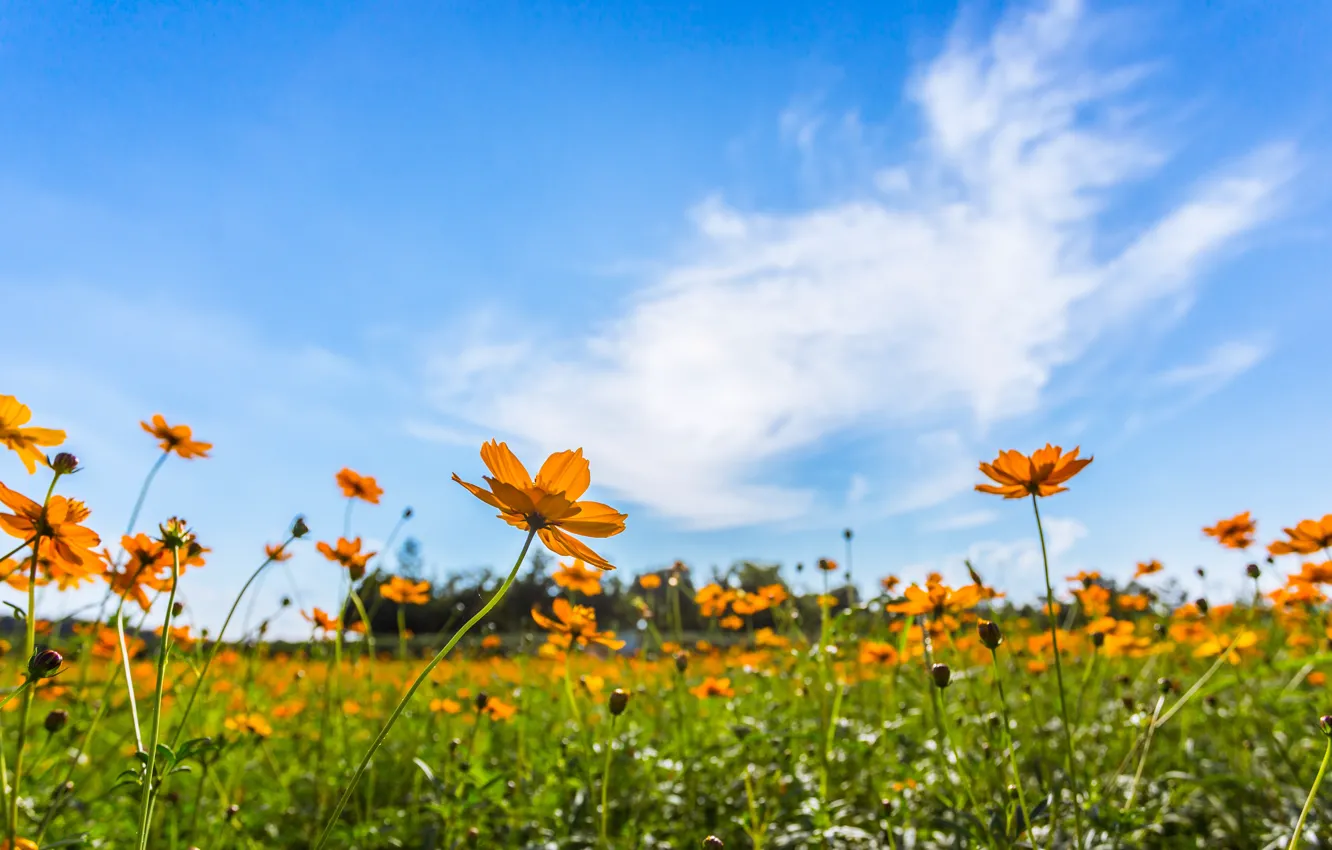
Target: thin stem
point(605, 780)
point(1313, 792)
point(1008, 742)
point(1142, 760)
point(216, 647)
point(1059, 675)
point(143, 491)
point(1197, 686)
point(406, 698)
point(163, 652)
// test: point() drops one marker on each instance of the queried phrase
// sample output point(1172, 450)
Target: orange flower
point(498, 710)
point(549, 505)
point(937, 599)
point(889, 583)
point(1306, 538)
point(1234, 533)
point(321, 620)
point(578, 622)
point(348, 553)
point(772, 594)
point(58, 523)
point(254, 724)
point(1146, 568)
point(491, 642)
point(445, 706)
point(731, 623)
point(828, 565)
point(19, 844)
point(176, 438)
point(276, 552)
point(24, 441)
point(404, 591)
point(874, 652)
point(712, 600)
point(1311, 573)
point(651, 581)
point(713, 687)
point(577, 577)
point(1042, 474)
point(769, 638)
point(357, 486)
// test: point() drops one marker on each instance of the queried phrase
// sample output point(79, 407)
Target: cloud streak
point(949, 291)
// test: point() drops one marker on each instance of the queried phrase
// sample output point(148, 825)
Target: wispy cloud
point(960, 522)
point(948, 291)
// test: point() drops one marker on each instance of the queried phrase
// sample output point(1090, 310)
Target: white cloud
point(1222, 365)
point(1015, 560)
point(954, 303)
point(959, 522)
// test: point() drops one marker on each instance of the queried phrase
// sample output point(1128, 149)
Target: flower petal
point(565, 472)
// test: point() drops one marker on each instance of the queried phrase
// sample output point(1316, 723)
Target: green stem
point(1059, 677)
point(216, 647)
point(1142, 759)
point(163, 652)
point(605, 781)
point(1008, 741)
point(406, 698)
point(1313, 792)
point(143, 491)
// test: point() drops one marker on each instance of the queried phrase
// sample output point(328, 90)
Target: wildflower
point(1217, 645)
point(619, 701)
point(45, 664)
point(1306, 538)
point(549, 505)
point(748, 604)
point(1311, 573)
point(357, 486)
point(348, 553)
point(491, 642)
point(578, 622)
point(1042, 474)
point(253, 724)
point(64, 463)
point(57, 718)
point(498, 710)
point(23, 844)
point(713, 599)
point(133, 582)
point(1234, 533)
point(59, 523)
point(941, 675)
point(24, 441)
point(936, 600)
point(577, 577)
point(731, 623)
point(712, 842)
point(651, 581)
point(889, 583)
point(989, 634)
point(1133, 601)
point(1147, 568)
point(405, 591)
point(828, 565)
point(276, 552)
point(768, 638)
point(874, 652)
point(176, 438)
point(773, 594)
point(713, 687)
point(321, 620)
point(445, 706)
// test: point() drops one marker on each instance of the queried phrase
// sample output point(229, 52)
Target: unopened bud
point(681, 662)
point(619, 700)
point(407, 513)
point(299, 528)
point(1165, 685)
point(481, 700)
point(56, 720)
point(847, 534)
point(989, 634)
point(1202, 573)
point(45, 664)
point(175, 533)
point(65, 463)
point(941, 675)
point(232, 810)
point(712, 842)
point(1098, 639)
point(177, 608)
point(1325, 724)
point(1202, 606)
point(473, 835)
point(1253, 572)
point(286, 602)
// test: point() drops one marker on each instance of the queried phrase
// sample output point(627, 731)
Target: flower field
point(661, 710)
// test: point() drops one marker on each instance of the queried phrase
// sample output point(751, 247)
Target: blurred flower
point(889, 583)
point(1306, 538)
point(58, 523)
point(936, 600)
point(874, 652)
point(1041, 474)
point(498, 710)
point(254, 724)
point(1147, 568)
point(828, 565)
point(713, 599)
point(24, 441)
point(578, 622)
point(731, 623)
point(1234, 533)
point(357, 486)
point(348, 553)
point(445, 706)
point(321, 620)
point(176, 438)
point(713, 687)
point(549, 505)
point(276, 552)
point(492, 642)
point(405, 591)
point(577, 577)
point(651, 581)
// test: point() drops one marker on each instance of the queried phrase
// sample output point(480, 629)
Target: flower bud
point(1253, 572)
point(56, 720)
point(482, 699)
point(619, 700)
point(681, 662)
point(286, 602)
point(1325, 724)
point(299, 528)
point(407, 512)
point(1202, 605)
point(941, 675)
point(1098, 639)
point(847, 534)
point(989, 634)
point(64, 463)
point(177, 608)
point(712, 842)
point(45, 664)
point(1165, 685)
point(232, 811)
point(1202, 573)
point(175, 533)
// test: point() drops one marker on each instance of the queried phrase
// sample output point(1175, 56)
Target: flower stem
point(605, 781)
point(163, 653)
point(1059, 677)
point(1313, 792)
point(411, 691)
point(1008, 741)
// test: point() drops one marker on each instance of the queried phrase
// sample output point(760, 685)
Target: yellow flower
point(713, 687)
point(731, 623)
point(24, 441)
point(549, 505)
point(445, 706)
point(577, 622)
point(1234, 533)
point(254, 724)
point(651, 581)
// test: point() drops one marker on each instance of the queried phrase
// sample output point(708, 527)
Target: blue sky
point(780, 269)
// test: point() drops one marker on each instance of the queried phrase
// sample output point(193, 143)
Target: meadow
point(663, 710)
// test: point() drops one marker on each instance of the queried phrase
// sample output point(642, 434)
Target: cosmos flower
point(176, 438)
point(548, 505)
point(348, 553)
point(577, 577)
point(59, 522)
point(577, 622)
point(22, 440)
point(1042, 474)
point(357, 486)
point(404, 591)
point(1306, 538)
point(1234, 533)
